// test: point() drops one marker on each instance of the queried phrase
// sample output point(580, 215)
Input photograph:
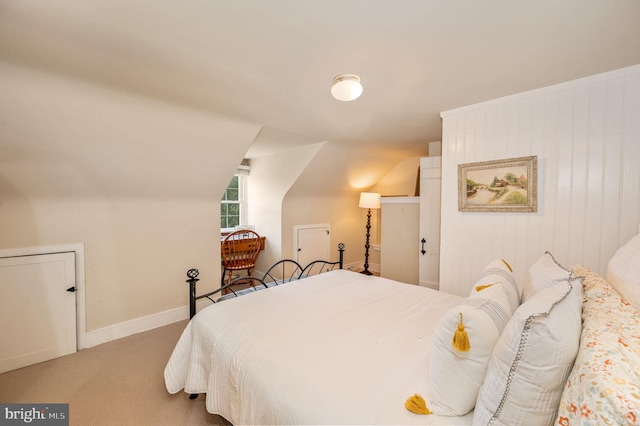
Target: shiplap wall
point(586, 134)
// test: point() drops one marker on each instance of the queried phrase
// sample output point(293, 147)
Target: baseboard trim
point(138, 325)
point(356, 266)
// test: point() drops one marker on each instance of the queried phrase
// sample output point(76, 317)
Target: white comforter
point(336, 348)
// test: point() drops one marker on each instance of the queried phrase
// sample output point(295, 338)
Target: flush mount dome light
point(346, 87)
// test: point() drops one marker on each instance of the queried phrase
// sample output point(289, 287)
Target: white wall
point(586, 134)
point(137, 180)
point(401, 180)
point(270, 179)
point(328, 191)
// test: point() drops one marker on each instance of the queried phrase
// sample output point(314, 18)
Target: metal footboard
point(283, 271)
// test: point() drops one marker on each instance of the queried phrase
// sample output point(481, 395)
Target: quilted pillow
point(532, 359)
point(623, 271)
point(603, 387)
point(455, 375)
point(546, 272)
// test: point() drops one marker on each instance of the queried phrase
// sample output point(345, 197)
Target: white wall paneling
point(586, 134)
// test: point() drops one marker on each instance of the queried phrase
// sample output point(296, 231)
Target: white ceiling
point(271, 62)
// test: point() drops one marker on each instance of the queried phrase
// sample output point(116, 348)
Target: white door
point(430, 183)
point(311, 242)
point(399, 238)
point(37, 313)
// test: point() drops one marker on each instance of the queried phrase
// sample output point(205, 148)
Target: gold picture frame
point(509, 185)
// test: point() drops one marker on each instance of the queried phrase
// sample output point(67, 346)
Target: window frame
point(242, 174)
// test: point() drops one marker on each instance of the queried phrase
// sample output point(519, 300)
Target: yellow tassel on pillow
point(416, 404)
point(508, 266)
point(460, 338)
point(482, 287)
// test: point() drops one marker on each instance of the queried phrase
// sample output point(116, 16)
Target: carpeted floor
point(117, 383)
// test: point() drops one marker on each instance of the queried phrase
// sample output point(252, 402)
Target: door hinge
point(71, 289)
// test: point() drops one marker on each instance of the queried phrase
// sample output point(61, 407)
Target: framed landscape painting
point(509, 185)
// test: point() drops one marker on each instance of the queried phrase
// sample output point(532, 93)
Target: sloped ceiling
point(272, 62)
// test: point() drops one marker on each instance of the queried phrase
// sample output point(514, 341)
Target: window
point(230, 205)
point(233, 206)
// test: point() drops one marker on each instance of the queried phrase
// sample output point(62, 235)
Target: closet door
point(37, 311)
point(312, 243)
point(430, 184)
point(399, 239)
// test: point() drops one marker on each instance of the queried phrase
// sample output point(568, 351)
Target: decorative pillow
point(546, 272)
point(623, 271)
point(456, 370)
point(603, 387)
point(499, 271)
point(532, 359)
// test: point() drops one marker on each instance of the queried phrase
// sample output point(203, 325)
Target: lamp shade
point(369, 200)
point(346, 87)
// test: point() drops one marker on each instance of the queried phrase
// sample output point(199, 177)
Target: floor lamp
point(368, 200)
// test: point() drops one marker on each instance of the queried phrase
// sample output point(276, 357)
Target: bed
point(346, 348)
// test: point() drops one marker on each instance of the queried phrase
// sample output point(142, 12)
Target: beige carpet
point(117, 383)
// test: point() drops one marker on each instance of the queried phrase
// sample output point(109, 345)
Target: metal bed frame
point(283, 271)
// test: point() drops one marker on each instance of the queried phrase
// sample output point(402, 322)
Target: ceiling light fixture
point(346, 87)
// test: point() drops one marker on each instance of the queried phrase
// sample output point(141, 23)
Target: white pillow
point(454, 376)
point(545, 272)
point(499, 271)
point(532, 359)
point(623, 271)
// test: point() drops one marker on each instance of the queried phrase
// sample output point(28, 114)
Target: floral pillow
point(604, 384)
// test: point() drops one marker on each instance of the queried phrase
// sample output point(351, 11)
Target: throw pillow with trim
point(532, 359)
point(544, 273)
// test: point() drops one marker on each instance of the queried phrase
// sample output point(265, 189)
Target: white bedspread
point(336, 348)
